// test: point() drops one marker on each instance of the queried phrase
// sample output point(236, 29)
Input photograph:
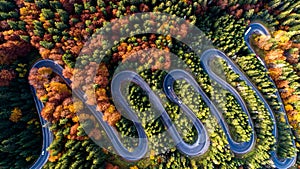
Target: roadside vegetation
point(58, 30)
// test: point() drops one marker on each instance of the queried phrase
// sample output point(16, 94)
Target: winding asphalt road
point(255, 28)
point(47, 135)
point(202, 143)
point(260, 29)
point(112, 134)
point(238, 148)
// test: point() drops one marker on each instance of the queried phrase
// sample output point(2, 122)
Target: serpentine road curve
point(202, 142)
point(260, 29)
point(139, 152)
point(238, 148)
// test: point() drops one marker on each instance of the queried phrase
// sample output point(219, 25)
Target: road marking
point(248, 31)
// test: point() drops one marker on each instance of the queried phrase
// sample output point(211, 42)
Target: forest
point(61, 30)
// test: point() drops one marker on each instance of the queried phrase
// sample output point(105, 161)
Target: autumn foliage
point(13, 37)
point(57, 98)
point(15, 115)
point(59, 29)
point(281, 57)
point(110, 166)
point(144, 54)
point(84, 80)
point(6, 76)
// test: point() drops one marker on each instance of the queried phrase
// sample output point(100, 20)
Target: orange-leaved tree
point(6, 76)
point(282, 59)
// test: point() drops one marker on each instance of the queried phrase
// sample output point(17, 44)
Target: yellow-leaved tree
point(15, 115)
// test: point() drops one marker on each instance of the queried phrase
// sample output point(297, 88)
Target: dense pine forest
point(32, 30)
